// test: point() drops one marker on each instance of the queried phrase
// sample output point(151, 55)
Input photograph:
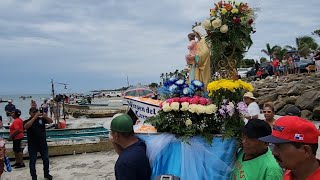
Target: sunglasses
point(267, 111)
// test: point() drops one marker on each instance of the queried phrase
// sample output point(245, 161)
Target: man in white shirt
point(253, 107)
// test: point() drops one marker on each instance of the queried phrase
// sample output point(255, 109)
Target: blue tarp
point(195, 160)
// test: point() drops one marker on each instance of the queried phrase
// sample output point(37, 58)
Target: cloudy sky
point(98, 43)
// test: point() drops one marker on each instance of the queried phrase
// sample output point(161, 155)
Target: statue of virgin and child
point(198, 58)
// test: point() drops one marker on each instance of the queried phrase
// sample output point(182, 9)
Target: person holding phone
point(37, 142)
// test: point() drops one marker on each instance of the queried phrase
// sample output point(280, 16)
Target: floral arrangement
point(229, 29)
point(178, 88)
point(228, 95)
point(187, 115)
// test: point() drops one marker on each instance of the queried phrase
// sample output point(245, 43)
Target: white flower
point(216, 23)
point(188, 122)
point(175, 106)
point(230, 108)
point(192, 108)
point(210, 109)
point(224, 28)
point(185, 106)
point(200, 109)
point(166, 107)
point(206, 24)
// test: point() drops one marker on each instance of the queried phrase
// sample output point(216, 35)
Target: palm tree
point(280, 53)
point(316, 32)
point(270, 50)
point(305, 44)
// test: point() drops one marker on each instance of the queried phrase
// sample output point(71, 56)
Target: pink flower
point(203, 101)
point(169, 101)
point(196, 97)
point(176, 99)
point(184, 99)
point(194, 100)
point(160, 105)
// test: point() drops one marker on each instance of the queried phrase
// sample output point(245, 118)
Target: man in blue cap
point(132, 163)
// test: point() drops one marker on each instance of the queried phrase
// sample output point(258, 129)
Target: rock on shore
point(302, 90)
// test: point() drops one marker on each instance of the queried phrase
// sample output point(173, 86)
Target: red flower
point(203, 101)
point(228, 7)
point(184, 99)
point(236, 20)
point(250, 21)
point(176, 99)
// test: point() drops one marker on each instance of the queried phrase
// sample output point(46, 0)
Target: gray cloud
point(96, 42)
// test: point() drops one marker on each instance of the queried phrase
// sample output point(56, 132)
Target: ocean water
point(22, 105)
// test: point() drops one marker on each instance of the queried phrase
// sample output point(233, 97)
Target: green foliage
point(245, 63)
point(153, 85)
point(280, 53)
point(230, 45)
point(316, 32)
point(263, 60)
point(305, 45)
point(269, 51)
point(174, 122)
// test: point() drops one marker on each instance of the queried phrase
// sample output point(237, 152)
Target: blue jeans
point(43, 150)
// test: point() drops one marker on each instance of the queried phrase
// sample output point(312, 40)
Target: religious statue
point(202, 71)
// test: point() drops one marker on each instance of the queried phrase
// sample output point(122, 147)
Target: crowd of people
point(36, 133)
point(270, 149)
point(289, 64)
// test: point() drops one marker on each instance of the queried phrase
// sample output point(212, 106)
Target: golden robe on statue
point(202, 70)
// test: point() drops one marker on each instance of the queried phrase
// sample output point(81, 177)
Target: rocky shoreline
point(301, 90)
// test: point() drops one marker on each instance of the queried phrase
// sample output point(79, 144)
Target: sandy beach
point(74, 167)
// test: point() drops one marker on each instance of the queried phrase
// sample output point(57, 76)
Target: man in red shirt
point(295, 143)
point(275, 64)
point(16, 135)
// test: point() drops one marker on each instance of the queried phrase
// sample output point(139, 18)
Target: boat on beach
point(95, 110)
point(143, 107)
point(69, 141)
point(1, 101)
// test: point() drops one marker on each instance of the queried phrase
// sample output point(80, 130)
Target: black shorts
point(17, 145)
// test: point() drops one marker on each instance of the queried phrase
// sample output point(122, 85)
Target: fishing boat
point(24, 97)
point(70, 141)
point(143, 107)
point(1, 101)
point(95, 110)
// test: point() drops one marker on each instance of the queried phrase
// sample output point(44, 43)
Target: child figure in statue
point(190, 57)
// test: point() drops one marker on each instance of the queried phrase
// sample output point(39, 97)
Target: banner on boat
point(143, 107)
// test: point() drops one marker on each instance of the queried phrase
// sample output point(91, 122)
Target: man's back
point(133, 163)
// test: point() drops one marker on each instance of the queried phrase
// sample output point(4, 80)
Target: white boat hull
point(143, 108)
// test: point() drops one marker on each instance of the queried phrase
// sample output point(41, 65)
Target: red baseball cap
point(292, 129)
